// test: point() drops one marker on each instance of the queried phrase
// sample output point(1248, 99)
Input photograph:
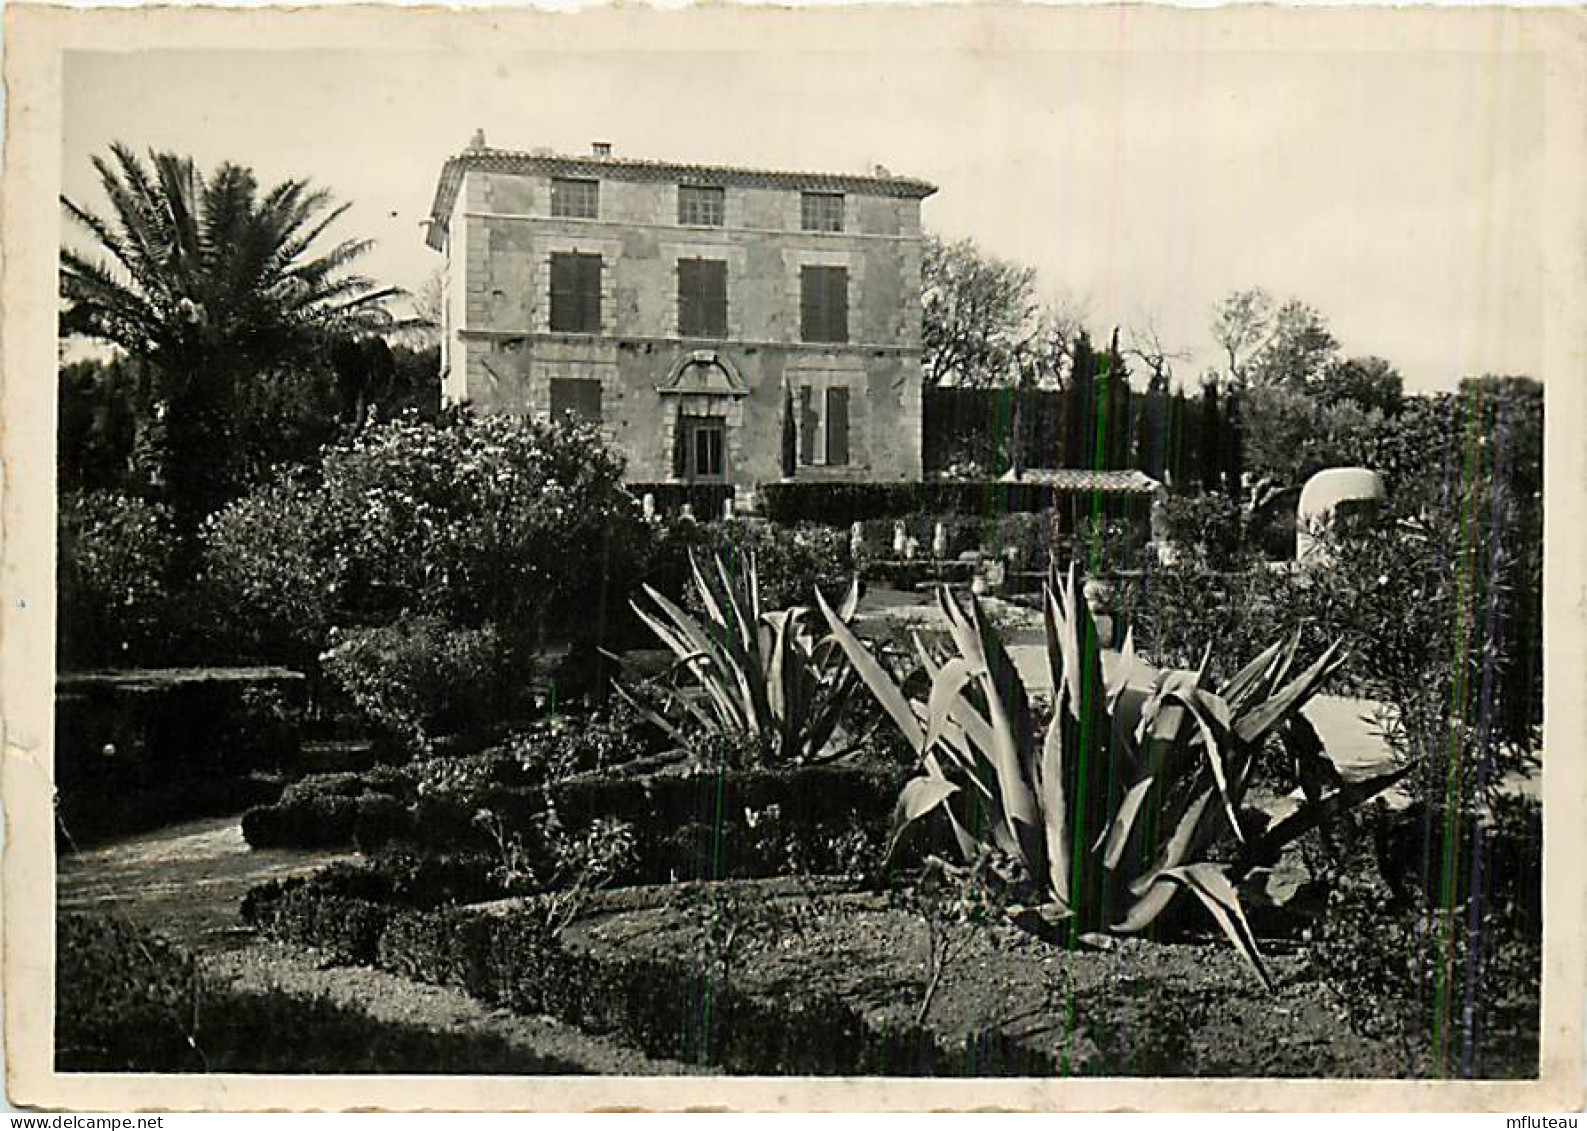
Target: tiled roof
point(635, 169)
point(1080, 479)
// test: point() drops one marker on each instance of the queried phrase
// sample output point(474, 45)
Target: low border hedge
point(840, 504)
point(129, 1001)
point(664, 1007)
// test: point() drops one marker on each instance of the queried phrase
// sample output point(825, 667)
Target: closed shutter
point(702, 298)
point(576, 293)
point(824, 304)
point(680, 440)
point(807, 426)
point(837, 426)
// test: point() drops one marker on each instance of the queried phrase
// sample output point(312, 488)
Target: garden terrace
point(790, 977)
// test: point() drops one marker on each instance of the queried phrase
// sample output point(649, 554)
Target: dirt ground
point(1137, 1007)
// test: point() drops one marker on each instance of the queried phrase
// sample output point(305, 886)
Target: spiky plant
point(1132, 794)
point(763, 680)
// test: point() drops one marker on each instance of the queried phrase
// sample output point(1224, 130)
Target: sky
point(1398, 193)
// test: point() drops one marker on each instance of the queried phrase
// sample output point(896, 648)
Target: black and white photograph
point(993, 544)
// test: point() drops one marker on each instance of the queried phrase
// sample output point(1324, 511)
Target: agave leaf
point(1005, 751)
point(1126, 669)
point(1309, 816)
point(919, 796)
point(715, 682)
point(776, 667)
point(875, 678)
point(713, 608)
point(947, 685)
point(851, 602)
point(1118, 833)
point(1255, 726)
point(1243, 682)
point(1313, 769)
point(1213, 887)
point(743, 627)
point(1176, 850)
point(754, 590)
point(1214, 752)
point(1050, 787)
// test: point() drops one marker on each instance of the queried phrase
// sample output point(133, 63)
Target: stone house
point(694, 312)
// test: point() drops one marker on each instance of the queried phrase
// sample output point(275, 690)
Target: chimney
point(477, 142)
point(602, 148)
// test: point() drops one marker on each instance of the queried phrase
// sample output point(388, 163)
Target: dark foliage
point(1438, 947)
point(1158, 432)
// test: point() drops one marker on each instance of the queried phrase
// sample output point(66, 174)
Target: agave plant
point(764, 679)
point(1117, 808)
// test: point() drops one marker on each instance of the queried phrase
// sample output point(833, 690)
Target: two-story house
point(704, 316)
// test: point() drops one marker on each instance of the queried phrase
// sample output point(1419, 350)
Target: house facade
point(711, 320)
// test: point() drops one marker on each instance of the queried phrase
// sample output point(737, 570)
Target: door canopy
point(704, 373)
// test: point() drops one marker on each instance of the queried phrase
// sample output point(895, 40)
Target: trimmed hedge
point(840, 504)
point(741, 824)
point(140, 748)
point(128, 1001)
point(664, 1007)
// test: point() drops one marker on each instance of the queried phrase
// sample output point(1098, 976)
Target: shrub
point(1208, 528)
point(1450, 975)
point(422, 677)
point(113, 570)
point(473, 521)
point(125, 1000)
point(268, 589)
point(128, 1001)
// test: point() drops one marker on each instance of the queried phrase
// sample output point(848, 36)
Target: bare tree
point(1146, 346)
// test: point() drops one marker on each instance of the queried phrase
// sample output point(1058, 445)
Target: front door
point(705, 449)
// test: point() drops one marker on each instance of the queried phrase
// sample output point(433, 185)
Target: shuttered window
point(701, 206)
point(821, 211)
point(580, 199)
point(809, 424)
point(702, 298)
point(578, 397)
point(837, 426)
point(824, 304)
point(575, 293)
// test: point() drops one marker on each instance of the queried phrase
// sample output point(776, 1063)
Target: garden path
point(186, 881)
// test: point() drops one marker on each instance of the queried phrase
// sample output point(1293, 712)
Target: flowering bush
point(269, 593)
point(473, 520)
point(113, 563)
point(421, 677)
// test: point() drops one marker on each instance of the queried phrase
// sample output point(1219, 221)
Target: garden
point(424, 744)
point(701, 791)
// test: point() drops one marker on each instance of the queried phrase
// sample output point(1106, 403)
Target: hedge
point(129, 1001)
point(840, 504)
point(666, 1007)
point(141, 748)
point(741, 824)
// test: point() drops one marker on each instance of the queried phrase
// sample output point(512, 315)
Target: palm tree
point(211, 283)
